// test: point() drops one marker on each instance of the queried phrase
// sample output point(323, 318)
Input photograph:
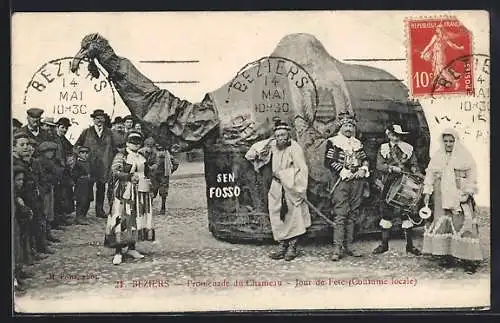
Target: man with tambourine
point(398, 172)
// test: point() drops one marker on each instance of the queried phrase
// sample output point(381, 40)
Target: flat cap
point(35, 112)
point(47, 145)
point(129, 117)
point(83, 148)
point(21, 134)
point(16, 169)
point(97, 113)
point(49, 121)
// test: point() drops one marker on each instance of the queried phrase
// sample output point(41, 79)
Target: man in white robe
point(288, 212)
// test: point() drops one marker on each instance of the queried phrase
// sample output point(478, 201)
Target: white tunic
point(289, 165)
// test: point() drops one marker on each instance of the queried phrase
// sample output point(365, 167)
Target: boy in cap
point(83, 184)
point(128, 122)
point(393, 158)
point(22, 216)
point(49, 173)
point(118, 124)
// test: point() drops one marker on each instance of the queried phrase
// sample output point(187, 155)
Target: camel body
point(228, 121)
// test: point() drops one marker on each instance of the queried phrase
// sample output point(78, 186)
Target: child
point(83, 184)
point(167, 164)
point(22, 216)
point(49, 174)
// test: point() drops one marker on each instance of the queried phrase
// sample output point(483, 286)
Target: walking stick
point(318, 212)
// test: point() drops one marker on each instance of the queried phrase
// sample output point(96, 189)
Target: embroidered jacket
point(344, 153)
point(400, 155)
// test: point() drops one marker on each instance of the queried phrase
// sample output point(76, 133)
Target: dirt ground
point(187, 269)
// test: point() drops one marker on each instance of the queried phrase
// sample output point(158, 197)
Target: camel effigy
point(300, 83)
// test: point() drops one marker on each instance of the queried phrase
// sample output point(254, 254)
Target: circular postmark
point(476, 70)
point(62, 93)
point(472, 115)
point(275, 87)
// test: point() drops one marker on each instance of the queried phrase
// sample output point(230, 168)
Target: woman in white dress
point(451, 178)
point(132, 213)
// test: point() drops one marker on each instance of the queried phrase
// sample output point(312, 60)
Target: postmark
point(62, 93)
point(472, 111)
point(434, 46)
point(276, 87)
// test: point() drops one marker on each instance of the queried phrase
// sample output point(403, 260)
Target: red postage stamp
point(439, 57)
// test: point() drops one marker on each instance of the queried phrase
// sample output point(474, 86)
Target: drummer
point(394, 158)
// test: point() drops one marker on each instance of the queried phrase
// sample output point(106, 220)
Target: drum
point(405, 193)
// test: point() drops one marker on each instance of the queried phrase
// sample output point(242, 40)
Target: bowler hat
point(118, 120)
point(35, 112)
point(97, 113)
point(47, 145)
point(64, 122)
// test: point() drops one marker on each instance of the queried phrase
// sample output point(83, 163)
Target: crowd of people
point(53, 183)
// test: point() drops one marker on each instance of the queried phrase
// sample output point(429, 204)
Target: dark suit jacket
point(101, 151)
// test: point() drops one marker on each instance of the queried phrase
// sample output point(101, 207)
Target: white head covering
point(446, 164)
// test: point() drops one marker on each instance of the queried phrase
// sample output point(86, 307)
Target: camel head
point(93, 46)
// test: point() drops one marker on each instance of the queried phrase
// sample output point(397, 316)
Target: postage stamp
point(439, 57)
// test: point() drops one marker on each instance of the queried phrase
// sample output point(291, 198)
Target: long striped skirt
point(130, 220)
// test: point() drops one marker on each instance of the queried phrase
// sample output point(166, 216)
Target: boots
point(338, 240)
point(336, 255)
point(409, 243)
point(349, 240)
point(280, 253)
point(291, 252)
point(384, 246)
point(163, 205)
